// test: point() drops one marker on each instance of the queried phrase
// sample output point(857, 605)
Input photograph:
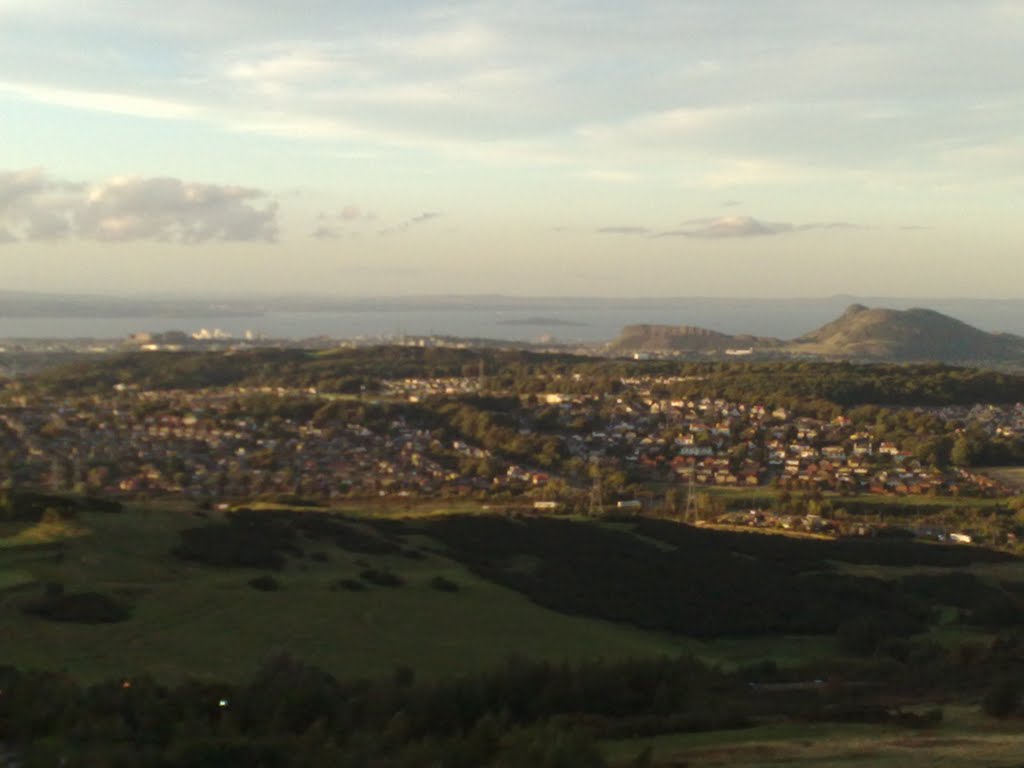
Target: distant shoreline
point(540, 321)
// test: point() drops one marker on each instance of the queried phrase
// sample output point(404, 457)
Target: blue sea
point(570, 321)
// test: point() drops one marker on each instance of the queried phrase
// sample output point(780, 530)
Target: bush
point(244, 542)
point(1002, 699)
point(859, 636)
point(381, 578)
point(352, 585)
point(265, 583)
point(80, 608)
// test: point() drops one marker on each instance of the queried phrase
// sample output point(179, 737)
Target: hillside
point(860, 333)
point(446, 594)
point(912, 334)
point(683, 338)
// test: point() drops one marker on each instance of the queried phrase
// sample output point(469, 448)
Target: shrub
point(859, 636)
point(80, 608)
point(1002, 699)
point(265, 583)
point(352, 585)
point(381, 578)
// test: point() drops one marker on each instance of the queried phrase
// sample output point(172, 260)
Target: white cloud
point(618, 177)
point(331, 226)
point(662, 126)
point(355, 213)
point(37, 207)
point(408, 224)
point(729, 226)
point(103, 101)
point(283, 66)
point(170, 209)
point(624, 230)
point(16, 186)
point(747, 226)
point(464, 40)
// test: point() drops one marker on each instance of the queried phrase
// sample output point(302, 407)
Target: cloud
point(408, 224)
point(655, 129)
point(427, 216)
point(624, 230)
point(172, 210)
point(16, 186)
point(827, 225)
point(36, 207)
point(355, 213)
point(103, 101)
point(331, 226)
point(729, 226)
point(465, 40)
point(44, 224)
point(288, 65)
point(326, 232)
point(747, 226)
point(619, 177)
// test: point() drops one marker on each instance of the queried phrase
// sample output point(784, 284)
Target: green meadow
point(192, 619)
point(964, 739)
point(196, 620)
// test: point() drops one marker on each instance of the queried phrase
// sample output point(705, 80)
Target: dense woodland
point(521, 715)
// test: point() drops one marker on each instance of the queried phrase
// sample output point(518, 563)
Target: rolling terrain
point(261, 636)
point(467, 591)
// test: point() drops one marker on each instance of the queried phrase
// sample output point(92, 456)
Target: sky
point(756, 148)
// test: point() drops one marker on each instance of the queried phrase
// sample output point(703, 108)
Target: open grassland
point(1011, 476)
point(198, 620)
point(473, 592)
point(736, 498)
point(964, 740)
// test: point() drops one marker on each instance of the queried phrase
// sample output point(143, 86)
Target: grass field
point(191, 619)
point(738, 497)
point(196, 620)
point(965, 739)
point(1011, 476)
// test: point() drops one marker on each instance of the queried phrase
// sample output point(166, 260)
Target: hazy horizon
point(566, 319)
point(718, 149)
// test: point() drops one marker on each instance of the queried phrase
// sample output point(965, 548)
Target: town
point(443, 437)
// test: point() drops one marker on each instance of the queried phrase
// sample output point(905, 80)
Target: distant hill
point(860, 333)
point(911, 334)
point(683, 338)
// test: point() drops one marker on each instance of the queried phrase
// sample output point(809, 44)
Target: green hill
point(912, 334)
point(683, 338)
point(175, 595)
point(193, 619)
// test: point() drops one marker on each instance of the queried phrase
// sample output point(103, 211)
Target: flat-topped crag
point(683, 338)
